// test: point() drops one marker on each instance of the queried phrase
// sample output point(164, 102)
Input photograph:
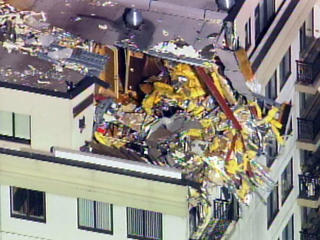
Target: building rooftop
point(29, 71)
point(38, 56)
point(105, 23)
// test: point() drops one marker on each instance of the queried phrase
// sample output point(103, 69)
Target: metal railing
point(223, 213)
point(309, 187)
point(308, 129)
point(307, 72)
point(226, 210)
point(304, 235)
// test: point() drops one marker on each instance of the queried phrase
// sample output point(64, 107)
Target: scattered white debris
point(165, 33)
point(171, 47)
point(61, 54)
point(103, 26)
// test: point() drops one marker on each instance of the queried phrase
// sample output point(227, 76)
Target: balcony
point(308, 131)
point(304, 235)
point(308, 76)
point(310, 229)
point(309, 191)
point(224, 212)
point(308, 70)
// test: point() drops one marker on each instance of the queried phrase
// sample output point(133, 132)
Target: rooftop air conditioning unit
point(226, 4)
point(133, 18)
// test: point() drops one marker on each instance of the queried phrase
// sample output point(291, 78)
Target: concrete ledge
point(94, 185)
point(307, 146)
point(308, 203)
point(306, 88)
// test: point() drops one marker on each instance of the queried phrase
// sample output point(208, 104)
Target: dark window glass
point(288, 231)
point(290, 127)
point(248, 34)
point(272, 152)
point(272, 205)
point(285, 68)
point(264, 15)
point(95, 216)
point(271, 88)
point(287, 181)
point(303, 38)
point(15, 127)
point(143, 224)
point(27, 204)
point(194, 218)
point(257, 22)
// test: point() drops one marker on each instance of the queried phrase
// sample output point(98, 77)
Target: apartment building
point(51, 190)
point(280, 38)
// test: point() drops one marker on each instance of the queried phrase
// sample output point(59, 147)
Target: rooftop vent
point(225, 4)
point(133, 18)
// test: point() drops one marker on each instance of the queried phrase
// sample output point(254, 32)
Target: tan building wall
point(52, 122)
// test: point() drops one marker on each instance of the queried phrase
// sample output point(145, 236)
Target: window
point(290, 127)
point(303, 38)
point(27, 204)
point(271, 88)
point(15, 127)
point(264, 14)
point(286, 181)
point(285, 68)
point(248, 34)
point(272, 205)
point(288, 231)
point(95, 216)
point(257, 22)
point(143, 224)
point(272, 152)
point(195, 214)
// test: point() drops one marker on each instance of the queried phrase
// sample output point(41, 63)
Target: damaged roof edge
point(92, 166)
point(86, 82)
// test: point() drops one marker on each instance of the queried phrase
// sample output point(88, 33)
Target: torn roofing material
point(103, 22)
point(37, 55)
point(33, 72)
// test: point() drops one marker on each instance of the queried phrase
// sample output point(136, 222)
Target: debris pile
point(180, 124)
point(27, 32)
point(185, 117)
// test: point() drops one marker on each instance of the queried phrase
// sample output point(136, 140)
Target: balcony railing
point(307, 72)
point(309, 187)
point(225, 210)
point(304, 235)
point(308, 129)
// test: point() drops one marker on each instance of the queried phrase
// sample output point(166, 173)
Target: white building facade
point(84, 200)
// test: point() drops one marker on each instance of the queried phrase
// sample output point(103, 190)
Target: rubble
point(186, 117)
point(27, 32)
point(180, 124)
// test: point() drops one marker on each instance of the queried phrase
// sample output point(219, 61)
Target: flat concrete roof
point(163, 21)
point(29, 71)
